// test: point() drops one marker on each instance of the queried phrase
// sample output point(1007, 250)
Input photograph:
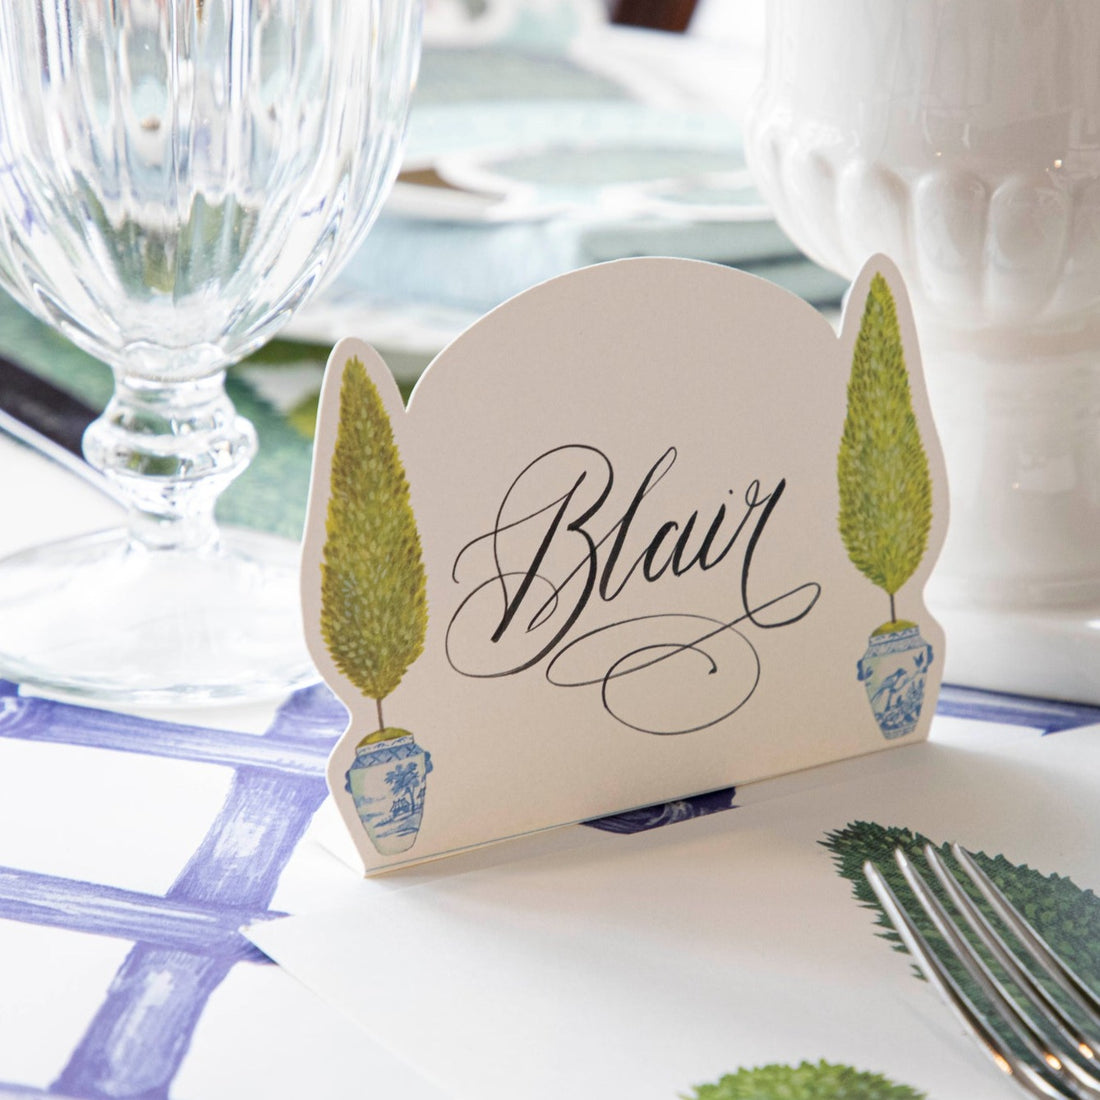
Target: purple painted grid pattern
point(137, 1040)
point(186, 941)
point(1045, 715)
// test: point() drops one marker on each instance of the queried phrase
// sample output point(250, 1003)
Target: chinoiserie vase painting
point(374, 615)
point(886, 508)
point(387, 782)
point(894, 669)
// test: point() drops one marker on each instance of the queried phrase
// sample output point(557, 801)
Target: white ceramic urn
point(962, 139)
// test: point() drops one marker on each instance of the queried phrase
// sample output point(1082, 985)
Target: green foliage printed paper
point(808, 1081)
point(1066, 916)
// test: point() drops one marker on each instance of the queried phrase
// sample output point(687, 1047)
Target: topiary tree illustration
point(808, 1081)
point(374, 613)
point(882, 469)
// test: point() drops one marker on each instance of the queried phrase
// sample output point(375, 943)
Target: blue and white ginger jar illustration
point(388, 781)
point(894, 670)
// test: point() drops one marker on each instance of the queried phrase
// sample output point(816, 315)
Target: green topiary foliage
point(882, 469)
point(823, 1081)
point(1066, 916)
point(374, 613)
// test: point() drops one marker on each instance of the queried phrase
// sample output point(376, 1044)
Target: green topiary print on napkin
point(1066, 916)
point(823, 1081)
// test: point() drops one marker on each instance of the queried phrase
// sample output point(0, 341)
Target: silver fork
point(1057, 1049)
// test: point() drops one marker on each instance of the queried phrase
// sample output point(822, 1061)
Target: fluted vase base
point(1047, 654)
point(1017, 587)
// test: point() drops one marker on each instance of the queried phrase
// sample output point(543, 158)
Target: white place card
point(646, 530)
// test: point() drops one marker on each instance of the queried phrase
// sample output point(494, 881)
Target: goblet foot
point(109, 618)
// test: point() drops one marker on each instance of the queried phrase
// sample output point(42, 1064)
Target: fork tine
point(1063, 1026)
point(1066, 980)
point(1036, 1042)
point(1039, 1083)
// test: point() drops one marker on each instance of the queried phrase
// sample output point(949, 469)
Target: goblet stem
point(170, 608)
point(170, 448)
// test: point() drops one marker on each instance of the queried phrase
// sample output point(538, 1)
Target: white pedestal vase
point(962, 139)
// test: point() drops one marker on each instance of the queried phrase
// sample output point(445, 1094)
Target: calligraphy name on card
point(646, 530)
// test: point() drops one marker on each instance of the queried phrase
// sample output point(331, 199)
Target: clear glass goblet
point(176, 177)
point(962, 139)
